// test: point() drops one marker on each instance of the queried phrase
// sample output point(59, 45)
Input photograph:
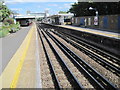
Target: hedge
point(4, 32)
point(9, 29)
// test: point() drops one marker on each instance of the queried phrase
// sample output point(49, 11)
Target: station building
point(60, 19)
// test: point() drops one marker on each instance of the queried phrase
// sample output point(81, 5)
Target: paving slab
point(10, 44)
point(23, 70)
point(94, 31)
point(27, 78)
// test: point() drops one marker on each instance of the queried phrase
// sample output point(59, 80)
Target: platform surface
point(99, 32)
point(23, 71)
point(10, 44)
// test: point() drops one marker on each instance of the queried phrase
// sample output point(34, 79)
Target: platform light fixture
point(91, 8)
point(96, 12)
point(3, 3)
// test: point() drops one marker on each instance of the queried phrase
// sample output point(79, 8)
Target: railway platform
point(98, 32)
point(101, 39)
point(48, 58)
point(21, 71)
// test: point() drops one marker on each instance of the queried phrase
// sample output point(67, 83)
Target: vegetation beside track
point(7, 24)
point(8, 27)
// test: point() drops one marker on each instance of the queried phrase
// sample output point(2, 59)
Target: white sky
point(12, 1)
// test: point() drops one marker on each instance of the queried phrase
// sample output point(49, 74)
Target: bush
point(6, 23)
point(14, 28)
point(4, 32)
point(9, 20)
point(9, 27)
point(18, 25)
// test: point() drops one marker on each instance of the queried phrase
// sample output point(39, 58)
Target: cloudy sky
point(54, 6)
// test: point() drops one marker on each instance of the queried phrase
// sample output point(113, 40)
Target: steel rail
point(117, 56)
point(52, 70)
point(111, 67)
point(96, 84)
point(75, 82)
point(97, 76)
point(99, 51)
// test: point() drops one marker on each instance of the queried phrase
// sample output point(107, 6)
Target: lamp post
point(96, 18)
point(90, 8)
point(3, 3)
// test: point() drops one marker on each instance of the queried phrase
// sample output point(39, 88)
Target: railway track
point(112, 65)
point(92, 47)
point(71, 65)
point(58, 67)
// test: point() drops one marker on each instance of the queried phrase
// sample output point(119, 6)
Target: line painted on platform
point(17, 73)
point(9, 72)
point(86, 30)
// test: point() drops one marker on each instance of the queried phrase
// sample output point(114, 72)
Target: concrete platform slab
point(21, 70)
point(10, 44)
point(103, 33)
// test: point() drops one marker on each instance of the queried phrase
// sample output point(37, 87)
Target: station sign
point(95, 20)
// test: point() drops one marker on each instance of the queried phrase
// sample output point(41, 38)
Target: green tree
point(62, 12)
point(104, 8)
point(4, 12)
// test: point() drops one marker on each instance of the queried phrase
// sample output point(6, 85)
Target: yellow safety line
point(17, 73)
point(92, 31)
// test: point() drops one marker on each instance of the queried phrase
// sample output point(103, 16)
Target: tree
point(104, 8)
point(62, 12)
point(4, 11)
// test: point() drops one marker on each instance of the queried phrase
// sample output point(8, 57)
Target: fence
point(108, 22)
